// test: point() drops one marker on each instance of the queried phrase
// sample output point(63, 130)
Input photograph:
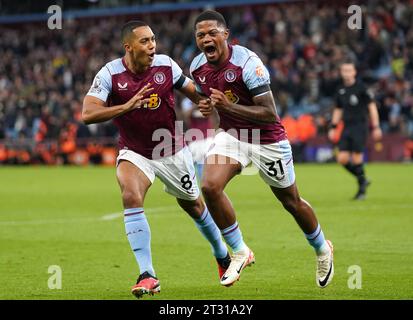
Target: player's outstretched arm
point(375, 121)
point(263, 110)
point(95, 110)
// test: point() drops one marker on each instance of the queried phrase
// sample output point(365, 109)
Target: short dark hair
point(211, 15)
point(129, 26)
point(348, 61)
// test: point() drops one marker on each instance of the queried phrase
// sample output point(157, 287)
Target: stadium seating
point(44, 74)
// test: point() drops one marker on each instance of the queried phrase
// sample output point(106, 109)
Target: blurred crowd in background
point(44, 74)
point(9, 7)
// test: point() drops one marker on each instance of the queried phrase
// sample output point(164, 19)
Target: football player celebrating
point(238, 86)
point(136, 91)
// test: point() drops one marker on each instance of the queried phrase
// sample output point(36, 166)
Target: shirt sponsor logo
point(159, 78)
point(154, 102)
point(231, 96)
point(202, 80)
point(230, 75)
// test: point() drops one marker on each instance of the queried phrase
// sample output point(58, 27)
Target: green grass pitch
point(70, 217)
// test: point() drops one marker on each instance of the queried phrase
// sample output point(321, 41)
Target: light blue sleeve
point(102, 85)
point(177, 74)
point(255, 74)
point(194, 63)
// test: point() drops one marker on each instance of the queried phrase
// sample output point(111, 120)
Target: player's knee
point(211, 189)
point(342, 159)
point(131, 199)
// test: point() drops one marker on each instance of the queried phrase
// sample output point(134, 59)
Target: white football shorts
point(274, 161)
point(177, 172)
point(199, 149)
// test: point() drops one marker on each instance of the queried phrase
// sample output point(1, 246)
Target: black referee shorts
point(353, 139)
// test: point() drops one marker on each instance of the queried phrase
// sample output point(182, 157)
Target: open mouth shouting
point(210, 52)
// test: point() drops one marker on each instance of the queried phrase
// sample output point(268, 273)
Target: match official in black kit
point(355, 105)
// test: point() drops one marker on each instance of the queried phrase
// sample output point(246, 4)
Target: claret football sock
point(139, 236)
point(210, 231)
point(317, 241)
point(233, 237)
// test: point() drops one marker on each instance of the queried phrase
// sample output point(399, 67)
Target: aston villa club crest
point(159, 78)
point(230, 75)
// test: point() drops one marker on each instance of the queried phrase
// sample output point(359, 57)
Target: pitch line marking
point(176, 209)
point(106, 217)
point(111, 216)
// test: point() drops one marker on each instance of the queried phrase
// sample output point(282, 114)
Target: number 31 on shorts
point(275, 169)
